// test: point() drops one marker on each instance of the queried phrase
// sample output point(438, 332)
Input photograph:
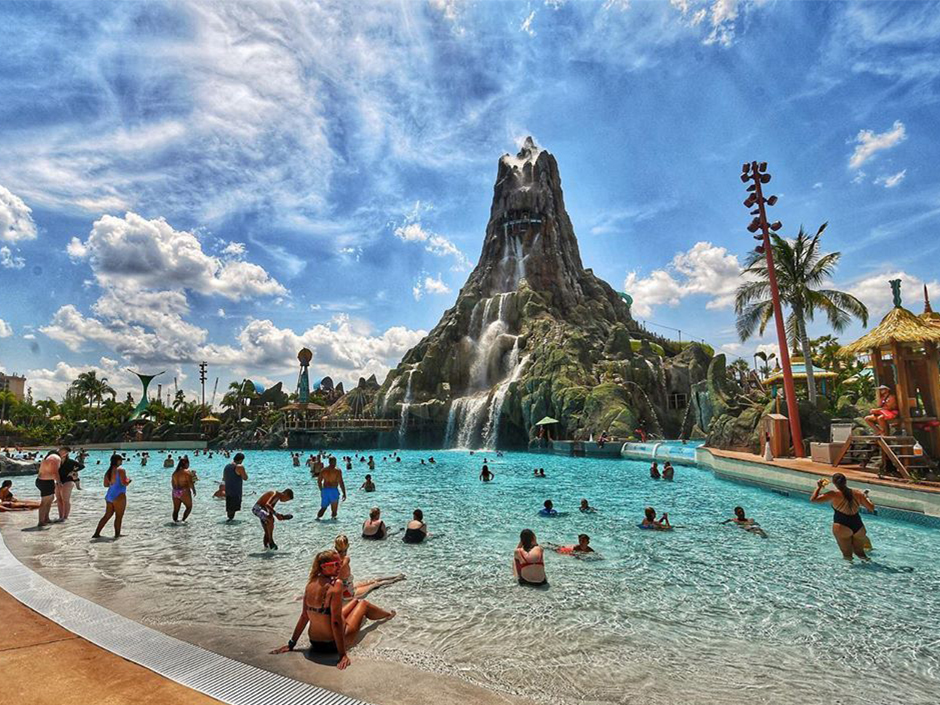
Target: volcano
point(532, 334)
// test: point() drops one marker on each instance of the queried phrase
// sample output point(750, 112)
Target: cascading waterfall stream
point(405, 405)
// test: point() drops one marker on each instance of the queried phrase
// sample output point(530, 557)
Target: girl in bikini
point(331, 626)
point(183, 488)
point(529, 560)
point(847, 525)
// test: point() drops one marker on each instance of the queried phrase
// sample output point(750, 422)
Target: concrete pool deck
point(46, 664)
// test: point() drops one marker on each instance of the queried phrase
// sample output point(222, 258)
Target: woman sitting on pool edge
point(649, 521)
point(417, 530)
point(847, 526)
point(373, 528)
point(332, 627)
point(528, 563)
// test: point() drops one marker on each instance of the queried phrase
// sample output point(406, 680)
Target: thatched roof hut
point(899, 326)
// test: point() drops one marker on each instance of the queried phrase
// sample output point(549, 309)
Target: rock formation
point(534, 334)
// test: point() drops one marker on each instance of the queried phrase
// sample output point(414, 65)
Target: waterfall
point(405, 405)
point(491, 430)
point(475, 417)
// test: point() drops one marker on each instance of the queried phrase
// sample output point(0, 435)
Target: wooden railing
point(343, 425)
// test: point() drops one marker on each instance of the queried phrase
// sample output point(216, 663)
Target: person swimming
point(650, 522)
point(585, 507)
point(373, 528)
point(485, 474)
point(847, 525)
point(417, 530)
point(654, 471)
point(745, 523)
point(668, 471)
point(368, 485)
point(548, 509)
point(528, 564)
point(583, 546)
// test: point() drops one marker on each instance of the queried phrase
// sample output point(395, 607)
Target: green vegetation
point(802, 273)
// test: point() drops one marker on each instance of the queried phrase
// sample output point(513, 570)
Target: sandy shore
point(371, 678)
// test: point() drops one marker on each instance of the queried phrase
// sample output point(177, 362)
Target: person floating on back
point(233, 476)
point(416, 531)
point(264, 510)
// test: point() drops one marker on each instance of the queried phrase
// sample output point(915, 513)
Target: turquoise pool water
point(705, 614)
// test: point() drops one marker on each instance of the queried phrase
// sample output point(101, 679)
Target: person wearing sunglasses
point(331, 626)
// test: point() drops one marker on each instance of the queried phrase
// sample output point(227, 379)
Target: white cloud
point(344, 348)
point(10, 261)
point(818, 184)
point(52, 383)
point(526, 25)
point(16, 220)
point(426, 284)
point(704, 269)
point(29, 336)
point(138, 253)
point(413, 231)
point(893, 180)
point(234, 249)
point(220, 313)
point(875, 292)
point(5, 329)
point(720, 16)
point(868, 143)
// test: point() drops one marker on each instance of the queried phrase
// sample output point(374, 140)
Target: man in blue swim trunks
point(330, 482)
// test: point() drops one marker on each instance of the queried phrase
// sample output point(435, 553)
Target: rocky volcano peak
point(532, 331)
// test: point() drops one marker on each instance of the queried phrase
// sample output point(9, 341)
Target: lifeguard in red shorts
point(886, 412)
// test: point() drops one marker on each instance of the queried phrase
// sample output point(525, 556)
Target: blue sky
point(186, 181)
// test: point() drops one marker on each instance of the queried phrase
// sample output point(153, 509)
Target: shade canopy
point(798, 365)
point(899, 326)
point(209, 419)
point(547, 420)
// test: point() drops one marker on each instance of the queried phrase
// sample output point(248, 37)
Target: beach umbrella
point(547, 420)
point(244, 419)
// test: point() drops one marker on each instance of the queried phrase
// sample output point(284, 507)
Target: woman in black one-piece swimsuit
point(847, 525)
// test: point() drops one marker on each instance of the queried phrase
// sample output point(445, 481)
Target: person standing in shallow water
point(264, 510)
point(847, 526)
point(116, 480)
point(233, 476)
point(330, 481)
point(46, 481)
point(68, 476)
point(184, 489)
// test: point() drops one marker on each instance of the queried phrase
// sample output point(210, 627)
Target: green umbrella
point(547, 420)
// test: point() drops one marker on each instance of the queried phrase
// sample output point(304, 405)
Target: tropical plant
point(765, 369)
point(802, 272)
point(89, 387)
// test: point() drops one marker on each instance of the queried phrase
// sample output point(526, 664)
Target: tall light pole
point(202, 379)
point(758, 175)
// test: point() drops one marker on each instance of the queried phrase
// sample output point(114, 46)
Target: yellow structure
point(14, 384)
point(821, 377)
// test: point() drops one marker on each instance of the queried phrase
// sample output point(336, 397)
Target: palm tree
point(765, 368)
point(801, 270)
